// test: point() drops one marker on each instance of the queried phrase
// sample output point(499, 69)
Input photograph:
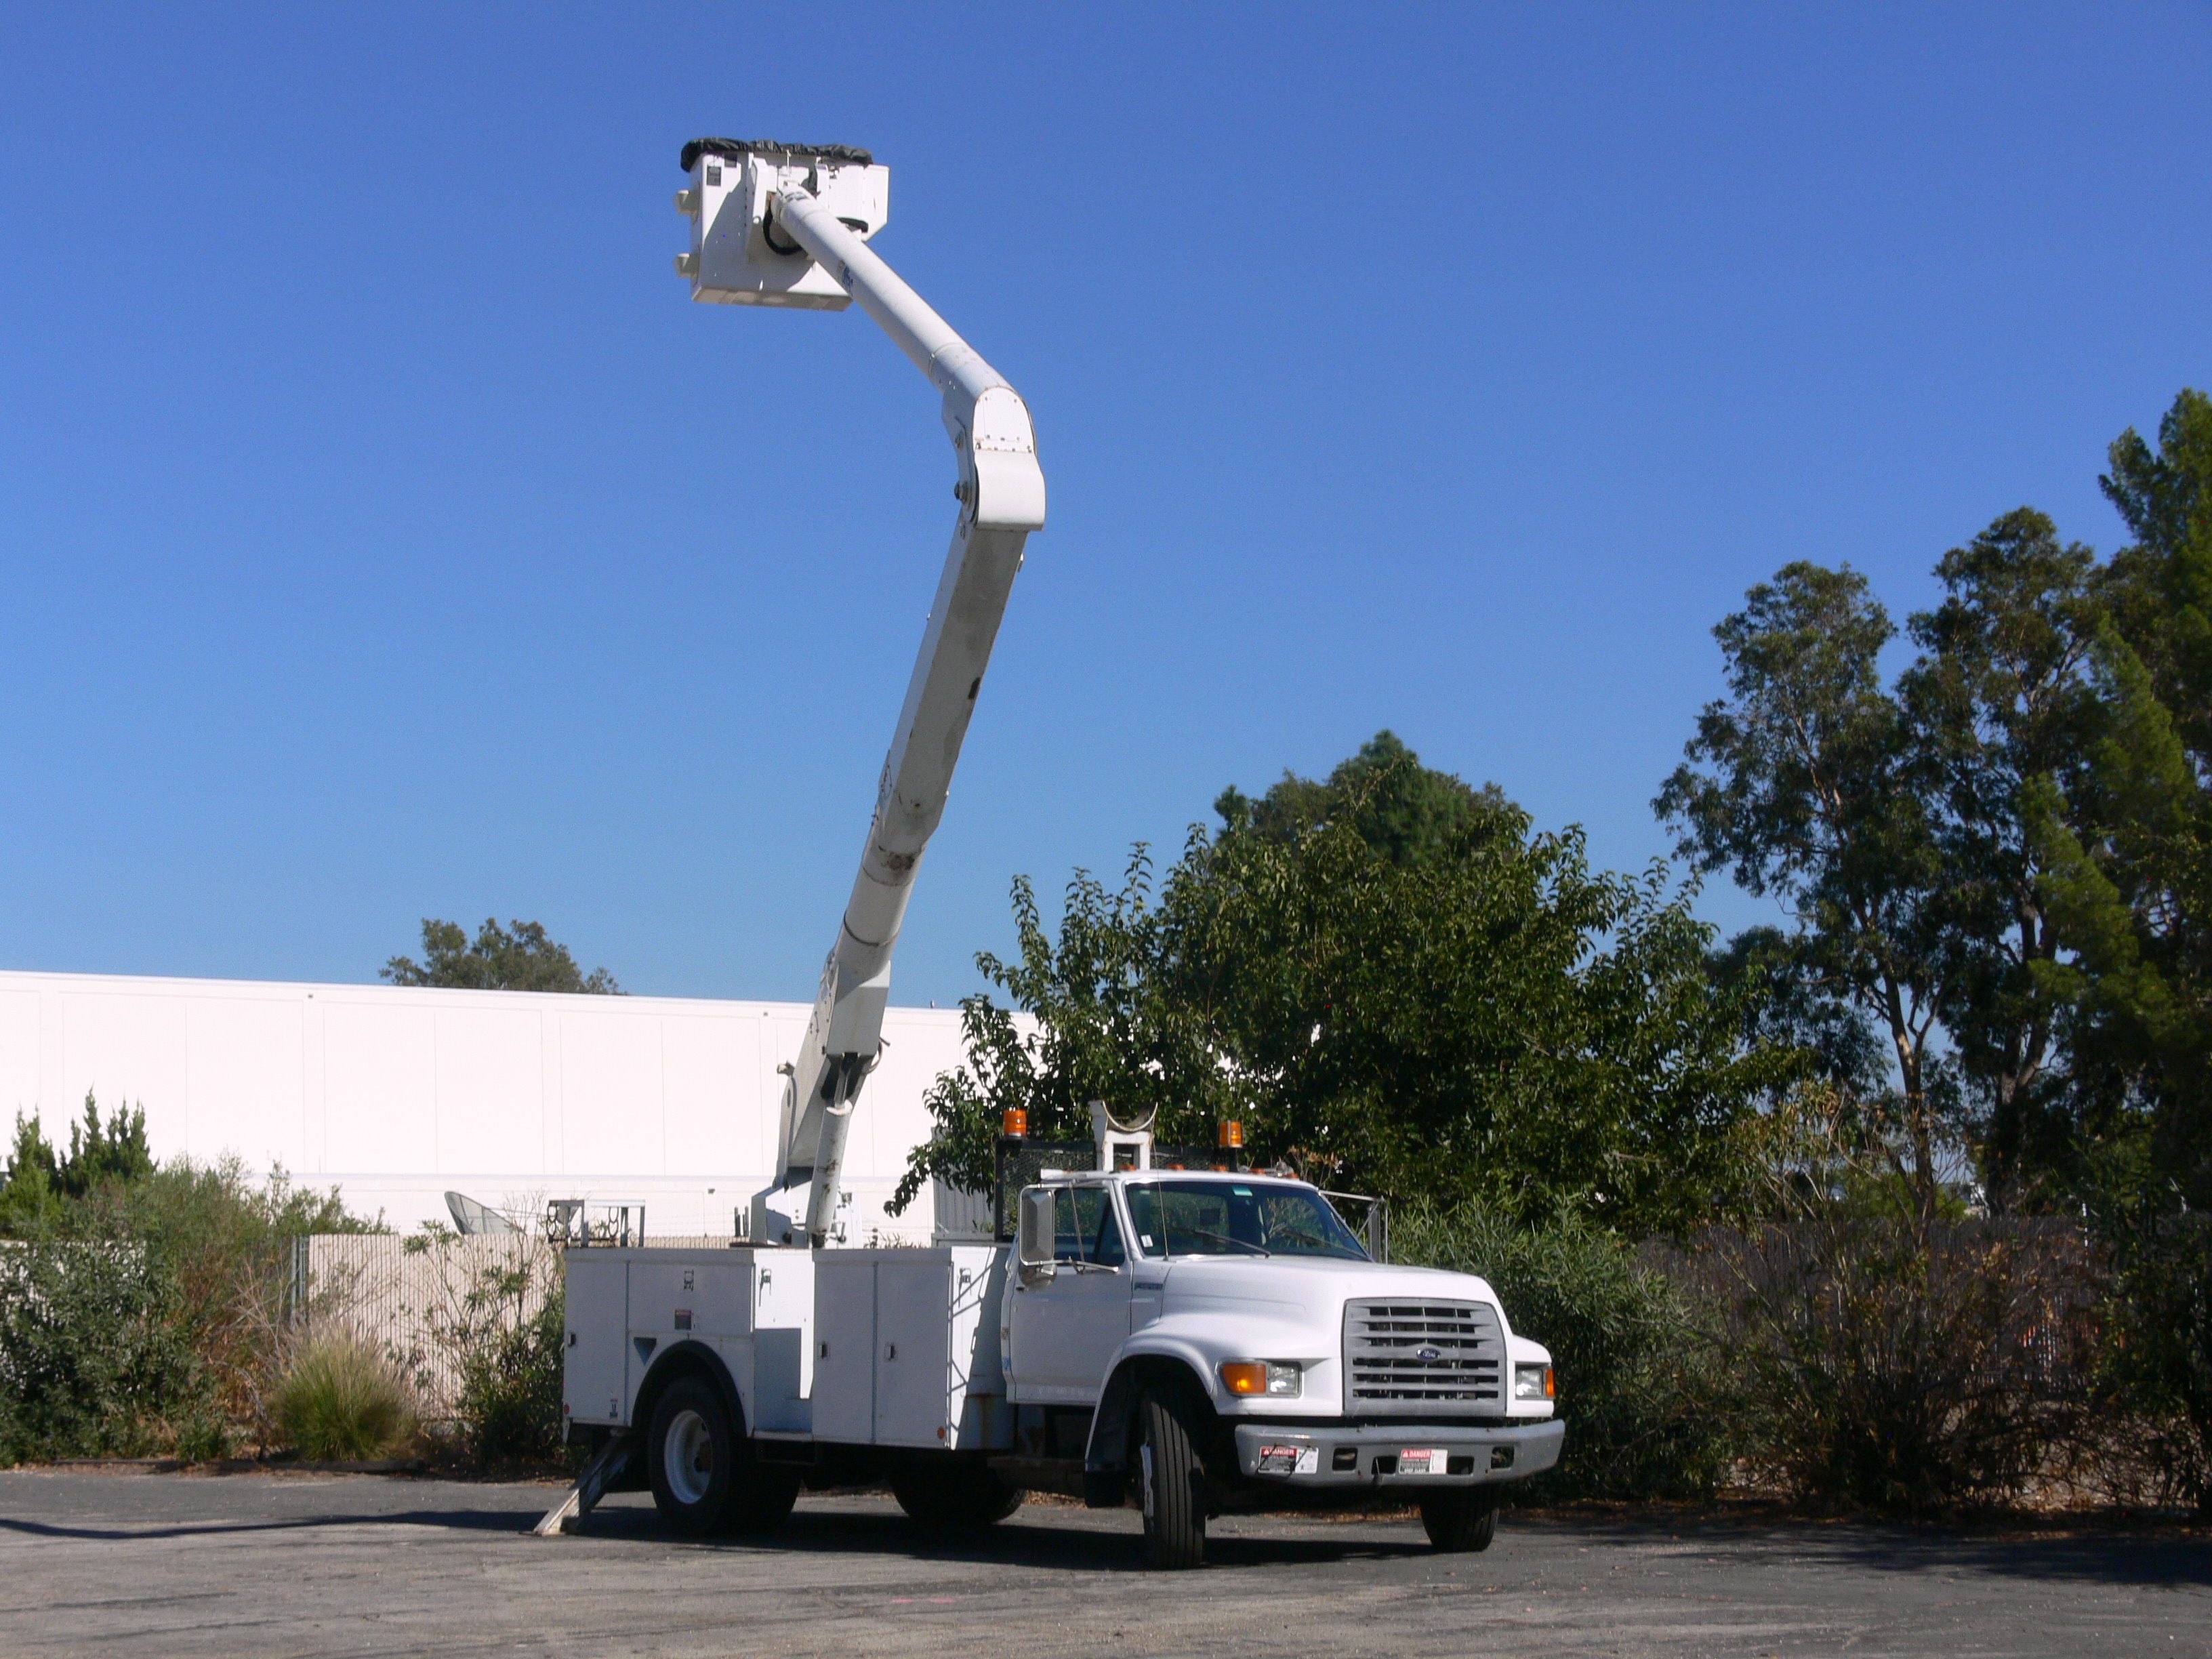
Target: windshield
point(1239, 1217)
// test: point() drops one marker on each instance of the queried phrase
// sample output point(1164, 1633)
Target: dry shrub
point(2158, 1351)
point(1888, 1364)
point(491, 1349)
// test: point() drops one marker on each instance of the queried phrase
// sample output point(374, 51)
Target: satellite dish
point(1124, 1122)
point(473, 1219)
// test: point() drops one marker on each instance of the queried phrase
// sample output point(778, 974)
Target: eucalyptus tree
point(1804, 783)
point(1998, 709)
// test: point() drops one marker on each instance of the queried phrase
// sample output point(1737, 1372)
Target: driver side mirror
point(1036, 1246)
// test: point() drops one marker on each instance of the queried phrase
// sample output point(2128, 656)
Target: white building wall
point(395, 1095)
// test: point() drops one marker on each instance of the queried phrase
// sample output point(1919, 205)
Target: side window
point(1087, 1228)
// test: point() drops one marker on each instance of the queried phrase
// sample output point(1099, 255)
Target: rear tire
point(762, 1501)
point(1460, 1521)
point(692, 1454)
point(957, 1495)
point(1170, 1484)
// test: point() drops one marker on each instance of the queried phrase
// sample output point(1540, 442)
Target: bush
point(1635, 1357)
point(340, 1400)
point(495, 1333)
point(1880, 1364)
point(510, 1396)
point(225, 1241)
point(93, 1362)
point(152, 1300)
point(145, 1307)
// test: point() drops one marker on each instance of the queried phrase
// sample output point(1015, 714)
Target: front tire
point(962, 1494)
point(691, 1455)
point(1460, 1521)
point(1171, 1484)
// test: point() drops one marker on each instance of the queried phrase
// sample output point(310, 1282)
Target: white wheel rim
point(688, 1457)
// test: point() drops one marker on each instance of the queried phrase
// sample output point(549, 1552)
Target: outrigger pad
point(735, 149)
point(608, 1465)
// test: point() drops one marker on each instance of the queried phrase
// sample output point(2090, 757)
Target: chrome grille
point(1402, 1352)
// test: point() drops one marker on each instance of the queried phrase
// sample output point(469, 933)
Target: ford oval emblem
point(1428, 1353)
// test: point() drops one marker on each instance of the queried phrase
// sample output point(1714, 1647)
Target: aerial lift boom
point(785, 225)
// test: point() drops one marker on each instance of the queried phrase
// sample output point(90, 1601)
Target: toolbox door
point(913, 1375)
point(597, 1318)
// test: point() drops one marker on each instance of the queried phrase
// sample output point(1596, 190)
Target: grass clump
point(340, 1400)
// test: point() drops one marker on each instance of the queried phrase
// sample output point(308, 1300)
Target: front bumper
point(1312, 1457)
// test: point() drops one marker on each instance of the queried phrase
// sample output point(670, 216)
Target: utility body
point(1191, 1341)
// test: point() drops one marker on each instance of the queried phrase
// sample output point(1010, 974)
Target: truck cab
point(1221, 1339)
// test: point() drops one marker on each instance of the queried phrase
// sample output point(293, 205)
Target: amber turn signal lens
point(1244, 1376)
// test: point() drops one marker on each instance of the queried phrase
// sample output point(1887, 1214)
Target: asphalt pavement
point(187, 1565)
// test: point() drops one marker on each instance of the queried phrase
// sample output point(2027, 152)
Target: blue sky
point(384, 534)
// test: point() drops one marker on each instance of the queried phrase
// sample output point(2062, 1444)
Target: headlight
point(1534, 1383)
point(1258, 1377)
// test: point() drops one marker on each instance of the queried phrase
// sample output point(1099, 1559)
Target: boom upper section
point(785, 225)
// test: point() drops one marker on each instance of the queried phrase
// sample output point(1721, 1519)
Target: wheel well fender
point(1113, 1424)
point(682, 1359)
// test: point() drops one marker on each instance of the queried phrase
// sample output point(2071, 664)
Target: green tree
point(2129, 843)
point(1408, 813)
point(497, 959)
point(40, 1187)
point(1497, 1022)
point(1437, 1003)
point(1787, 1002)
point(31, 1199)
point(2162, 586)
point(1106, 1024)
point(100, 1153)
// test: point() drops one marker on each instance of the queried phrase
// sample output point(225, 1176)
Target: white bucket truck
point(1191, 1341)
